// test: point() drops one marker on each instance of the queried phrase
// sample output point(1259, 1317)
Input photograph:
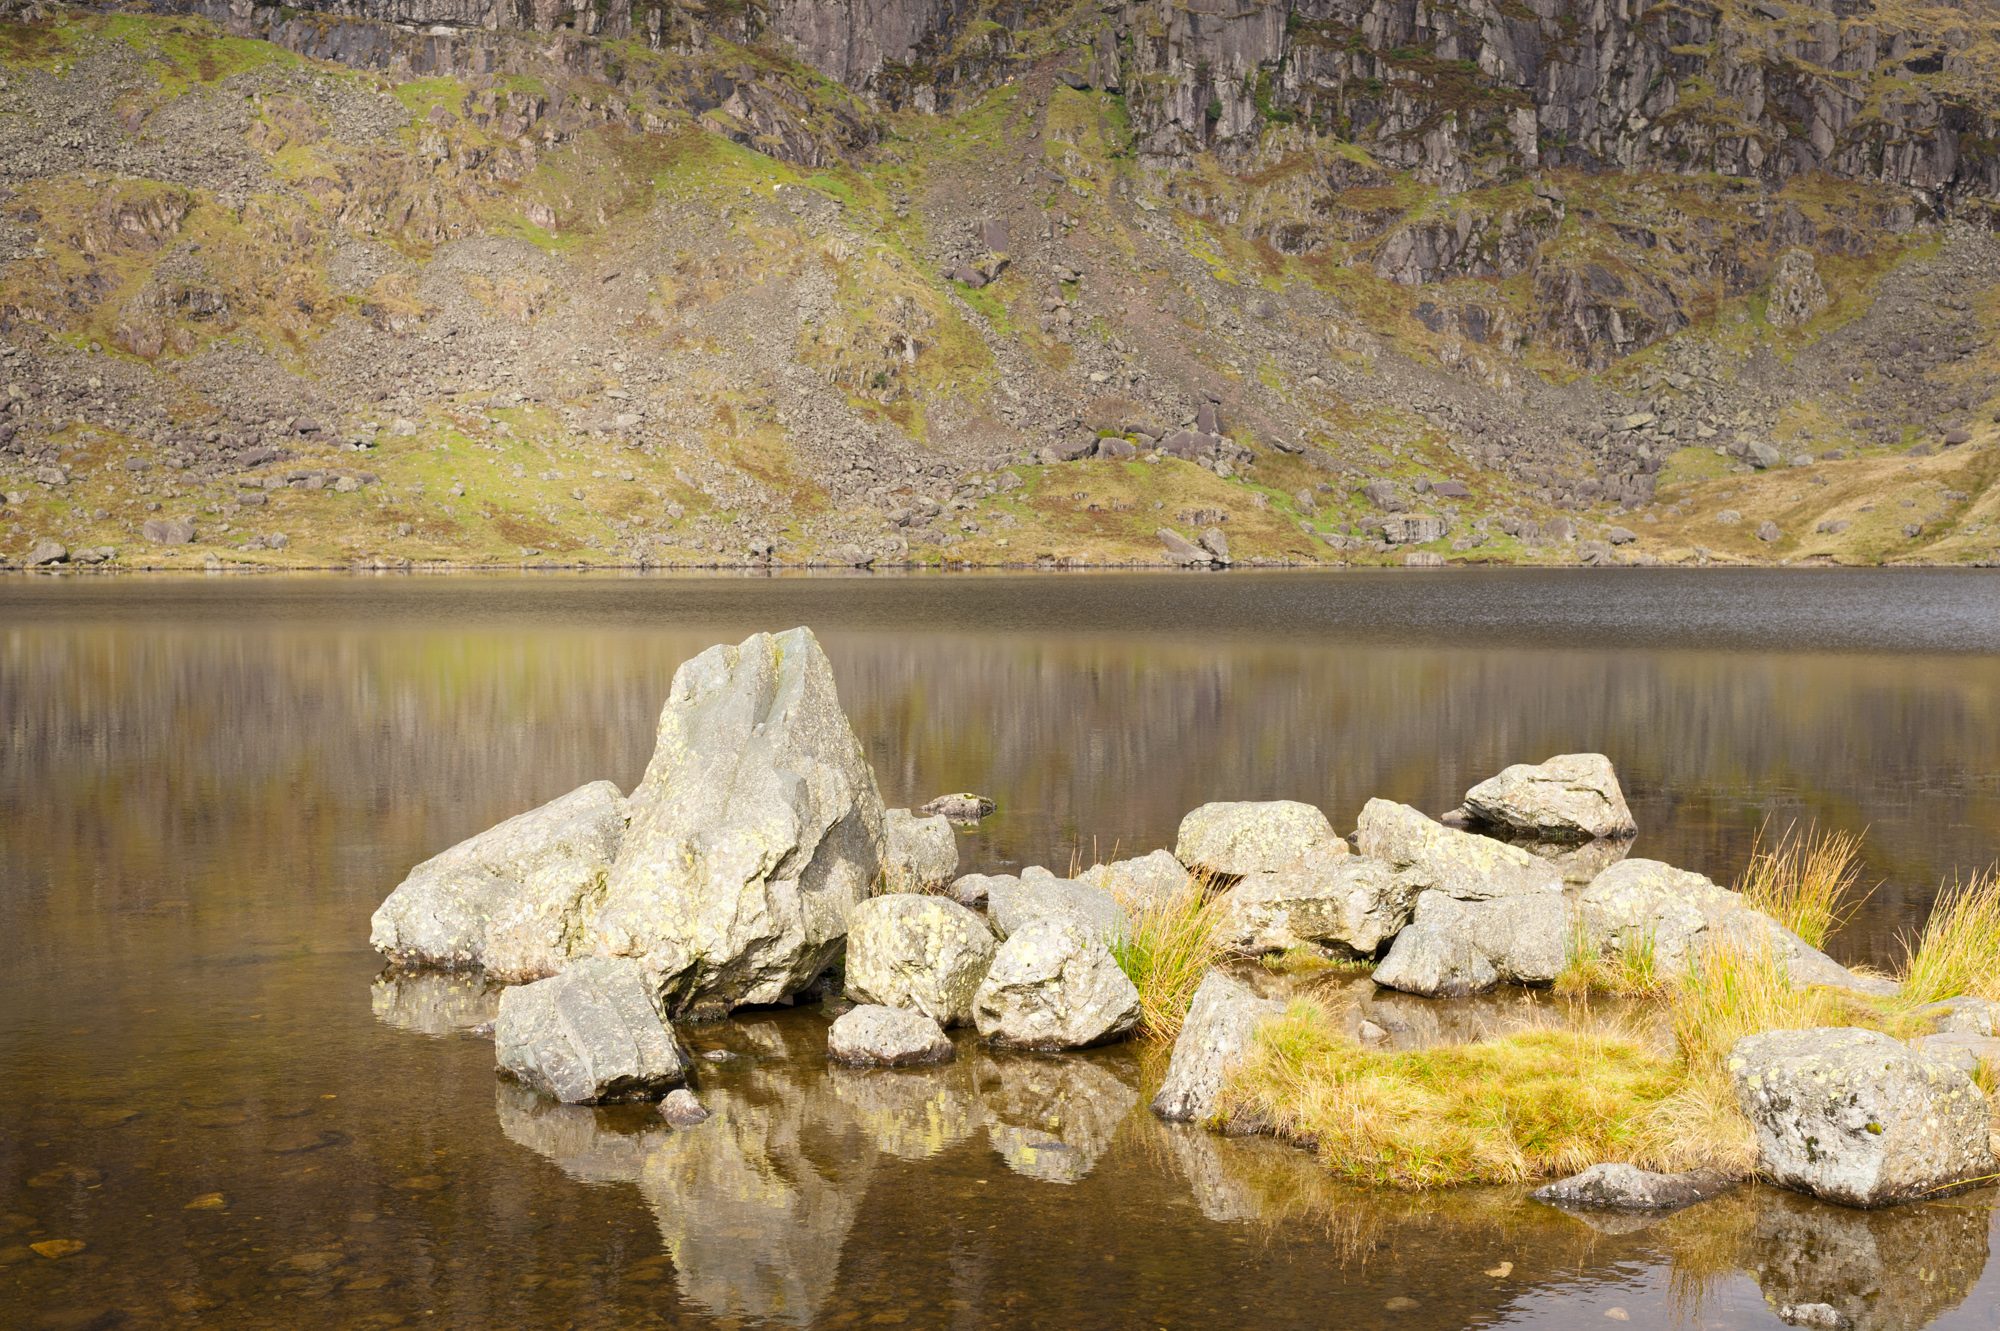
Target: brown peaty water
point(207, 785)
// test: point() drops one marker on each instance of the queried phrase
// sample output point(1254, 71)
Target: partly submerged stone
point(1146, 881)
point(1012, 905)
point(512, 899)
point(682, 1108)
point(887, 1037)
point(918, 854)
point(920, 952)
point(592, 1034)
point(1339, 905)
point(1855, 1117)
point(1214, 1039)
point(1622, 1187)
point(1055, 985)
point(755, 831)
point(1235, 838)
point(1571, 797)
point(960, 807)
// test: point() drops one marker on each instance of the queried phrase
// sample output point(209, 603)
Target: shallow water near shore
point(208, 784)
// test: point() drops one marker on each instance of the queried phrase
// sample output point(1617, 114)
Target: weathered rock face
point(1571, 797)
point(1253, 836)
point(1452, 948)
point(1852, 1116)
point(918, 854)
point(755, 831)
point(1340, 905)
point(886, 1037)
point(1676, 914)
point(1148, 880)
point(513, 899)
point(974, 889)
point(1797, 294)
point(592, 1034)
point(1053, 985)
point(1459, 864)
point(923, 953)
point(1620, 1187)
point(1013, 905)
point(1214, 1039)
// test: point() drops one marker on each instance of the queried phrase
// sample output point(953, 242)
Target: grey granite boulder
point(960, 807)
point(918, 854)
point(1961, 1049)
point(1678, 914)
point(1621, 1187)
point(1214, 1039)
point(1148, 880)
point(1571, 797)
point(1452, 948)
point(594, 1033)
point(755, 831)
point(512, 898)
point(682, 1108)
point(1965, 1016)
point(1010, 906)
point(1852, 1116)
point(1055, 985)
point(920, 952)
point(886, 1037)
point(974, 889)
point(1232, 839)
point(1338, 905)
point(1459, 864)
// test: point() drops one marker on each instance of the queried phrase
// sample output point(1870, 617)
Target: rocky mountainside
point(999, 281)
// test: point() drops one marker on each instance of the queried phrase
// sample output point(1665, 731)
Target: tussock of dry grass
point(1632, 973)
point(1524, 1106)
point(1805, 880)
point(1958, 952)
point(1172, 946)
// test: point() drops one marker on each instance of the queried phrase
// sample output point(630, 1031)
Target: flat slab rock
point(876, 1036)
point(1236, 838)
point(1621, 1187)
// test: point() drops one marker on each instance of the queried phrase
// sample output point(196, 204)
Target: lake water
point(208, 784)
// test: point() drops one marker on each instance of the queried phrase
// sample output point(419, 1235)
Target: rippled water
point(207, 785)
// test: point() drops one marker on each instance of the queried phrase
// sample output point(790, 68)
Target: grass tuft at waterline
point(1805, 880)
point(1958, 951)
point(1171, 946)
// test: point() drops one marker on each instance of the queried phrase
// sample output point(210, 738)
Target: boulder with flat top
point(593, 1034)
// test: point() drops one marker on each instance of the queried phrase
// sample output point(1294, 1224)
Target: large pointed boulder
point(513, 898)
point(755, 832)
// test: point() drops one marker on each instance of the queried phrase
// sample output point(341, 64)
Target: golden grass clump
point(1171, 947)
point(1528, 1105)
point(1631, 972)
point(1805, 880)
point(1958, 952)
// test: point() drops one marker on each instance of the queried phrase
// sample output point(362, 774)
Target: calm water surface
point(207, 785)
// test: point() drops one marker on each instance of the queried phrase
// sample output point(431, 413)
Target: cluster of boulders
point(754, 863)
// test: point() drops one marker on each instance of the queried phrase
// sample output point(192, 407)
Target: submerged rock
point(887, 1037)
point(755, 831)
point(1055, 985)
point(918, 854)
point(511, 899)
point(1852, 1116)
point(594, 1033)
point(1236, 838)
point(1572, 797)
point(1621, 1187)
point(920, 952)
point(682, 1108)
point(1341, 905)
point(1012, 905)
point(1214, 1039)
point(962, 807)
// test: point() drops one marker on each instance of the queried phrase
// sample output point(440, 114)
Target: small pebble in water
point(1618, 1314)
point(208, 1201)
point(1402, 1303)
point(55, 1248)
point(1502, 1271)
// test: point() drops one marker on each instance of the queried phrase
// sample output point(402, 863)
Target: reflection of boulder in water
point(912, 1113)
point(1053, 1118)
point(434, 1002)
point(1891, 1270)
point(1213, 1168)
point(754, 1205)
